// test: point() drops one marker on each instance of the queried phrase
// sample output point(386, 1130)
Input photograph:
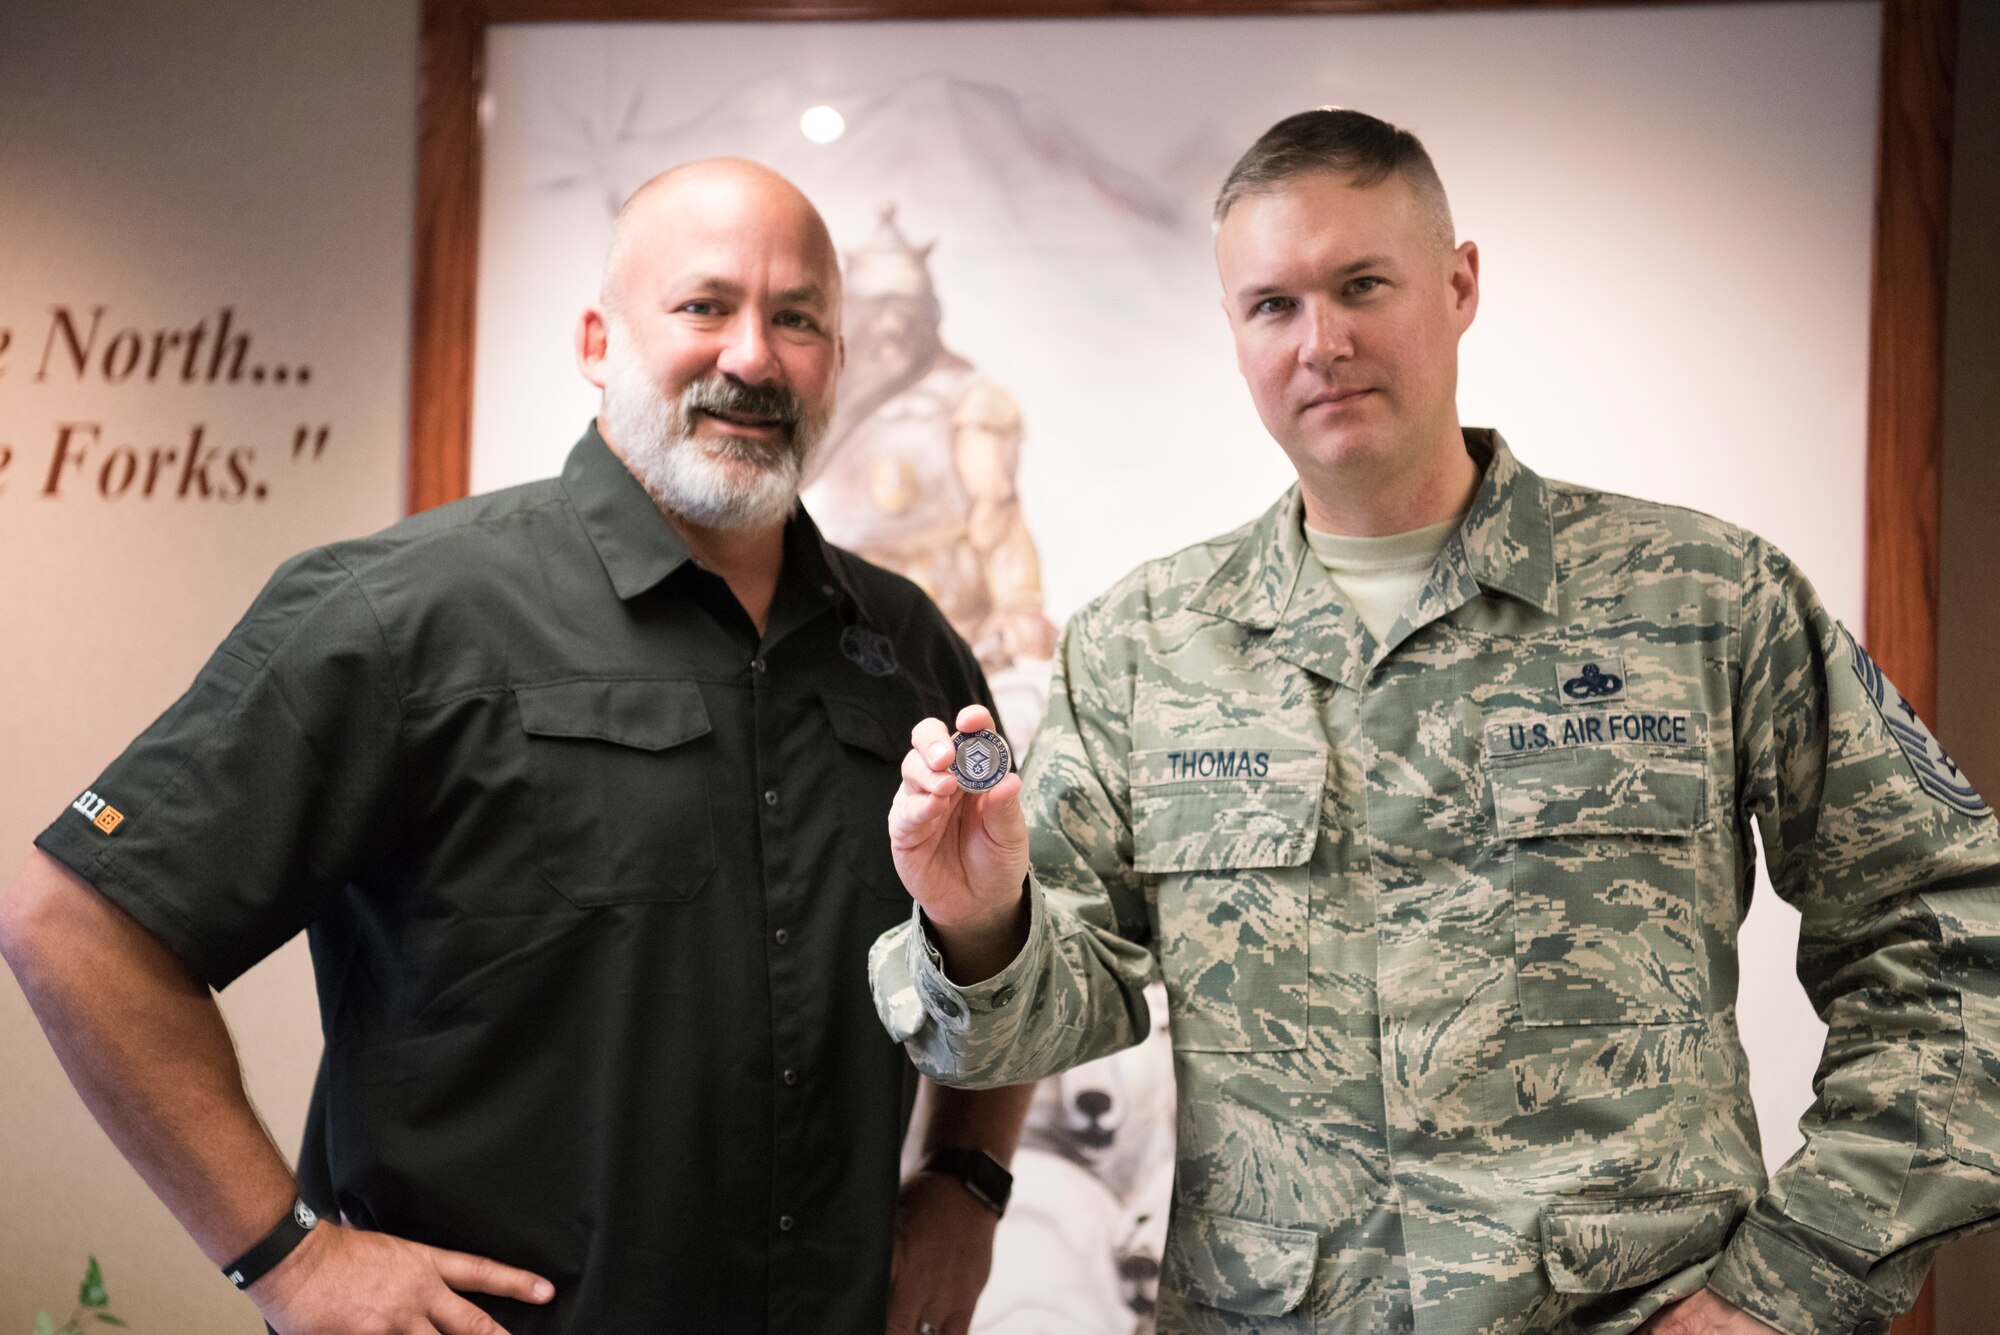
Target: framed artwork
point(1711, 244)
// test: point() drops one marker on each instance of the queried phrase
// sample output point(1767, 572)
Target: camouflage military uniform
point(1448, 926)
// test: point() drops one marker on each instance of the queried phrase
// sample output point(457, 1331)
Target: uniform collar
point(1508, 536)
point(639, 548)
point(1271, 582)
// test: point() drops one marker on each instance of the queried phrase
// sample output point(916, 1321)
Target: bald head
point(716, 341)
point(716, 194)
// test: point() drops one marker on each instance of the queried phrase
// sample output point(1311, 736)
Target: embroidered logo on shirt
point(871, 651)
point(1591, 683)
point(98, 812)
point(1934, 769)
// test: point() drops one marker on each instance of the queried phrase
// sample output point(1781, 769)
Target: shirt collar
point(816, 569)
point(636, 544)
point(1506, 543)
point(639, 548)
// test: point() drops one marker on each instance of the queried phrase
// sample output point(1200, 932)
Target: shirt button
point(784, 1223)
point(791, 1077)
point(782, 936)
point(1003, 996)
point(770, 797)
point(758, 664)
point(826, 589)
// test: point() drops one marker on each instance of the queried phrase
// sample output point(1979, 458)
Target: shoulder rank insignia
point(1934, 769)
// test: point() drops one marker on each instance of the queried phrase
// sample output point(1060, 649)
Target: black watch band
point(989, 1183)
point(273, 1247)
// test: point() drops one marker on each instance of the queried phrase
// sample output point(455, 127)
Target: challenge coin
point(981, 759)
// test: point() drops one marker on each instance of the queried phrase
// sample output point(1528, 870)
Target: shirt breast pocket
point(874, 734)
point(1228, 830)
point(619, 771)
point(1599, 849)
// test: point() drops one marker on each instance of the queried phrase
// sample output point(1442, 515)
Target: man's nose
point(747, 353)
point(1325, 338)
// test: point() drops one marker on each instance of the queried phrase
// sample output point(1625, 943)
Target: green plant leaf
point(44, 1324)
point(109, 1319)
point(91, 1292)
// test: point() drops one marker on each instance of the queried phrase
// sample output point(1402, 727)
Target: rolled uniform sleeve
point(1894, 865)
point(262, 791)
point(1076, 990)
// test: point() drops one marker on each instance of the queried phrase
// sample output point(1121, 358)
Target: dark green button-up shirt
point(589, 869)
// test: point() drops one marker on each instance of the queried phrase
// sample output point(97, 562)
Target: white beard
point(701, 479)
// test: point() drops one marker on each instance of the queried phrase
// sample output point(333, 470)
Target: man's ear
point(593, 331)
point(1465, 284)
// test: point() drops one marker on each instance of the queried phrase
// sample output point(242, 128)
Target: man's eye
point(797, 320)
point(1272, 306)
point(1361, 287)
point(699, 307)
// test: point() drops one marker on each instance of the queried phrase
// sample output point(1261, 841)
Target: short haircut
point(1340, 142)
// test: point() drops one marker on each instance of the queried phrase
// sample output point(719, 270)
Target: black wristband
point(980, 1172)
point(273, 1247)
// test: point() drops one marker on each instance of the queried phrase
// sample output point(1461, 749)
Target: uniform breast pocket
point(1598, 845)
point(1228, 830)
point(619, 771)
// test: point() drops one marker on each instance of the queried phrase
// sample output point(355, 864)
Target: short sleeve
point(229, 824)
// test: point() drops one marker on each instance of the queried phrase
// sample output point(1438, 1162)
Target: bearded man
point(576, 789)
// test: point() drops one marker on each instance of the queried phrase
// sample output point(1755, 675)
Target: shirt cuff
point(911, 988)
point(1785, 1286)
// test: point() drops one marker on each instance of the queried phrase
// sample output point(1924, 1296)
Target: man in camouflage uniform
point(1448, 911)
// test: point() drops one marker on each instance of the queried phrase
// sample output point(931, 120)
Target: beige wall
point(1968, 1292)
point(165, 159)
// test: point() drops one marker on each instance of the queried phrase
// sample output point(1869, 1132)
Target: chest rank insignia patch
point(1934, 769)
point(98, 812)
point(869, 650)
point(1594, 682)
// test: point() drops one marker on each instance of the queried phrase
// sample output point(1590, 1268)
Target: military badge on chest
point(1595, 681)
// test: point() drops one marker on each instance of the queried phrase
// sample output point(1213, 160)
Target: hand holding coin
point(959, 840)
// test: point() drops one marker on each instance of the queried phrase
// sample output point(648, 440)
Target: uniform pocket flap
point(856, 724)
point(1239, 1265)
point(1596, 790)
point(1605, 1246)
point(649, 715)
point(1225, 806)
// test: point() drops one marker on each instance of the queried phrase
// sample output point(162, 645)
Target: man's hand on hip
point(1703, 1313)
point(963, 855)
point(343, 1280)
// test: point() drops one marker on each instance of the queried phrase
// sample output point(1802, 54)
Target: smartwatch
point(979, 1172)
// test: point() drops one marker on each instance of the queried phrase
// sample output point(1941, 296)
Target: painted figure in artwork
point(918, 470)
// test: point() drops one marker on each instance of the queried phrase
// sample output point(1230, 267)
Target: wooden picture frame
point(1912, 207)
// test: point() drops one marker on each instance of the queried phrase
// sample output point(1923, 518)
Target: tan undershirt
point(1379, 576)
